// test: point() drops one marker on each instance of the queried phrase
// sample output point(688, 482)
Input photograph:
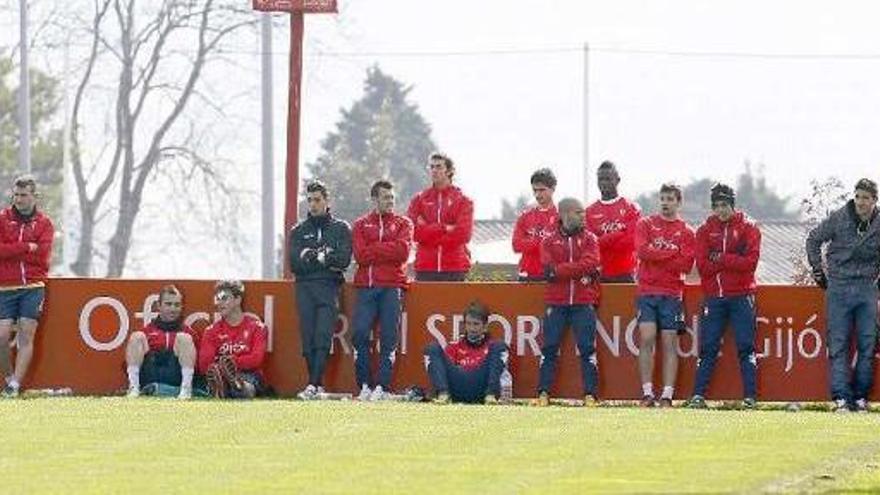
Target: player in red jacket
point(26, 235)
point(165, 350)
point(468, 370)
point(381, 241)
point(665, 248)
point(613, 220)
point(443, 222)
point(233, 348)
point(571, 264)
point(534, 225)
point(728, 248)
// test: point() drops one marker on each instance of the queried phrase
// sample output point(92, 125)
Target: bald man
point(570, 257)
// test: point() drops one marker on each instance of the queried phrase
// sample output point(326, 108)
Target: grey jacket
point(851, 255)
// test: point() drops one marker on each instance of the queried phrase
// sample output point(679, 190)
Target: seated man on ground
point(468, 370)
point(233, 348)
point(165, 350)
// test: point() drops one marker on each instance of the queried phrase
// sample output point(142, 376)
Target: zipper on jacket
point(440, 248)
point(570, 281)
point(370, 268)
point(21, 263)
point(723, 250)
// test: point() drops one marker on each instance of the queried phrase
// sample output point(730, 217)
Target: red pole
point(291, 181)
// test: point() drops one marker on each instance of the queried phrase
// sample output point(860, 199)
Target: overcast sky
point(677, 89)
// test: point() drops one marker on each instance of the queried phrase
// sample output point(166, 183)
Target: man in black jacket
point(320, 251)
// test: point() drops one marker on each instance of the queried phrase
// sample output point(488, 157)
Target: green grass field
point(117, 445)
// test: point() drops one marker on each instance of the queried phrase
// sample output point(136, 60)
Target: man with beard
point(848, 274)
point(571, 265)
point(26, 235)
point(165, 350)
point(469, 370)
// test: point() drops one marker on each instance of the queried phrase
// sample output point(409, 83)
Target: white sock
point(186, 378)
point(134, 376)
point(667, 392)
point(14, 383)
point(648, 389)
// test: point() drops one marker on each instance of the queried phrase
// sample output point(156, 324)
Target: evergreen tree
point(46, 141)
point(382, 135)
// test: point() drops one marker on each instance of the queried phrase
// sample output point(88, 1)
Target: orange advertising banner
point(82, 337)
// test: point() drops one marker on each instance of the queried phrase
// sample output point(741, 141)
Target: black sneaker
point(697, 402)
point(9, 392)
point(648, 401)
point(749, 403)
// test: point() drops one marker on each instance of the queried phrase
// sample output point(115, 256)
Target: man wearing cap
point(848, 274)
point(612, 218)
point(320, 251)
point(233, 348)
point(728, 246)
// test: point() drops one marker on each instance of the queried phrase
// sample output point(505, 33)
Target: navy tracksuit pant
point(582, 319)
point(470, 386)
point(740, 312)
point(373, 302)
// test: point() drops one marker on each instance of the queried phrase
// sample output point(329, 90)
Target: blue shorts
point(22, 303)
point(665, 311)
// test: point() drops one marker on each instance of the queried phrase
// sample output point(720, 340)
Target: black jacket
point(324, 234)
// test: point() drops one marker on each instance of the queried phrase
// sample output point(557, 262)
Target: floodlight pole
point(24, 94)
point(268, 184)
point(291, 182)
point(586, 122)
point(297, 10)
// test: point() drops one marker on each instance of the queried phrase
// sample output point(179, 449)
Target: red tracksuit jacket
point(381, 248)
point(665, 249)
point(614, 223)
point(467, 356)
point(532, 227)
point(575, 259)
point(158, 339)
point(431, 211)
point(246, 343)
point(739, 242)
point(19, 266)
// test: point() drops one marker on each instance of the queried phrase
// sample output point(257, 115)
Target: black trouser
point(317, 302)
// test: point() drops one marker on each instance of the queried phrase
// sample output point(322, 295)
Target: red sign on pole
point(304, 6)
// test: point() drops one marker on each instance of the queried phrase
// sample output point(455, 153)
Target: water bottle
point(506, 382)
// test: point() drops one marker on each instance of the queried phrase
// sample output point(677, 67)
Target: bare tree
point(160, 53)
